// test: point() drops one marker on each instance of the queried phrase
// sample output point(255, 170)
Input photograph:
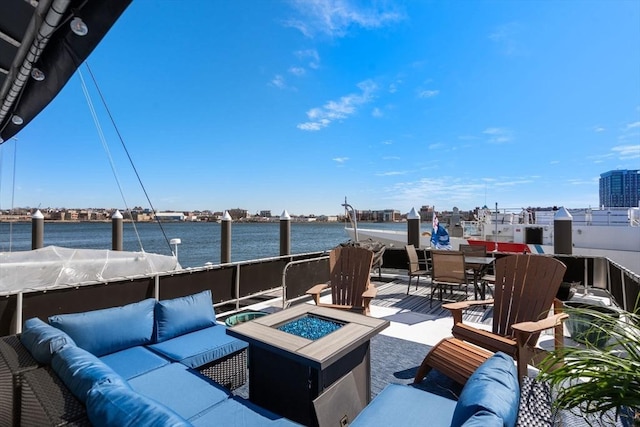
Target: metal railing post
point(237, 287)
point(19, 301)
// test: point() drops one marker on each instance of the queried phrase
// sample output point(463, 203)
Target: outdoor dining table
point(479, 265)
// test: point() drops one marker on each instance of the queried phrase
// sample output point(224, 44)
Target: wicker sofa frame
point(33, 395)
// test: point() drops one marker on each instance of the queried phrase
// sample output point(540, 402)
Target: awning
point(37, 34)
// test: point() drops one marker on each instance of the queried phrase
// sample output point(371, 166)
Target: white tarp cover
point(54, 267)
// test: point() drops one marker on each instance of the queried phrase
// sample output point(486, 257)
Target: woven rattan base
point(230, 371)
point(45, 401)
point(14, 360)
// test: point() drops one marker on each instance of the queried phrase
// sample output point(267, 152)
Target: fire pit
point(297, 353)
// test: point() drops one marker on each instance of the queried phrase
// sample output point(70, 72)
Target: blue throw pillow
point(179, 316)
point(109, 330)
point(113, 405)
point(493, 388)
point(80, 371)
point(43, 340)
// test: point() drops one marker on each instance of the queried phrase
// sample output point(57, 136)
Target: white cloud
point(334, 18)
point(387, 142)
point(599, 129)
point(340, 160)
point(278, 81)
point(498, 135)
point(391, 173)
point(377, 112)
point(633, 125)
point(321, 117)
point(626, 152)
point(505, 37)
point(428, 93)
point(297, 71)
point(310, 55)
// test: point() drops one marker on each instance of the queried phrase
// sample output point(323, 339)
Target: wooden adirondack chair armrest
point(456, 308)
point(316, 290)
point(540, 325)
point(483, 338)
point(466, 304)
point(370, 293)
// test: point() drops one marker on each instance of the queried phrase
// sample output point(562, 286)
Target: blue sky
point(294, 105)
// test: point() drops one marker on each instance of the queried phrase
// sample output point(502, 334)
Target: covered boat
point(54, 267)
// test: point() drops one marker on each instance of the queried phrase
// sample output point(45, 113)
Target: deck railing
point(238, 284)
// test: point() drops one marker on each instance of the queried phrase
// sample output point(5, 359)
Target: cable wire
point(135, 170)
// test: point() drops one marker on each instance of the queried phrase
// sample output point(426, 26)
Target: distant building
point(620, 188)
point(237, 213)
point(385, 215)
point(170, 216)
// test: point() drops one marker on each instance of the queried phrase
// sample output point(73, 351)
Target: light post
point(175, 242)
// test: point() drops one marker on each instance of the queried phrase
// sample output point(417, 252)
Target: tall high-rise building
point(620, 188)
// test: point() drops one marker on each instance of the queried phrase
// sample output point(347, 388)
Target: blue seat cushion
point(399, 404)
point(182, 315)
point(43, 340)
point(109, 330)
point(113, 405)
point(134, 361)
point(201, 347)
point(238, 412)
point(493, 388)
point(81, 371)
point(185, 391)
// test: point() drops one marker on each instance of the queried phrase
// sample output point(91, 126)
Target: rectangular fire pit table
point(288, 371)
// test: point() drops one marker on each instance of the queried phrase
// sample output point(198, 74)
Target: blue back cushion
point(109, 330)
point(43, 340)
point(80, 371)
point(179, 316)
point(493, 388)
point(113, 405)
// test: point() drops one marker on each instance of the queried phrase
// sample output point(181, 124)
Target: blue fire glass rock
point(310, 327)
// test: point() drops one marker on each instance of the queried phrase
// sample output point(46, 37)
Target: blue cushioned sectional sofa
point(138, 364)
point(490, 398)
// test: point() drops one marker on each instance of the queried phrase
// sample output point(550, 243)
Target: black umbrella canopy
point(42, 43)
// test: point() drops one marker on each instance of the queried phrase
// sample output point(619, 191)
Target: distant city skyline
point(293, 105)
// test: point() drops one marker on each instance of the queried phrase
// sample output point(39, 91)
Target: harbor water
point(200, 240)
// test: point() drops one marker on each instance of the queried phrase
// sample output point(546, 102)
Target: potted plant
point(598, 379)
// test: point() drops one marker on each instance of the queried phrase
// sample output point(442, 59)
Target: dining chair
point(415, 268)
point(473, 250)
point(479, 274)
point(448, 270)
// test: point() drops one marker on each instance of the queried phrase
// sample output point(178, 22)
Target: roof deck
point(416, 325)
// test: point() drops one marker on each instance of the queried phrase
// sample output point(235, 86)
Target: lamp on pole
point(175, 243)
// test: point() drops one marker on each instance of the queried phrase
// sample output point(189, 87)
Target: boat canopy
point(42, 43)
point(54, 267)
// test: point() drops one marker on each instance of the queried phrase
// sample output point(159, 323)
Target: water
point(200, 240)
